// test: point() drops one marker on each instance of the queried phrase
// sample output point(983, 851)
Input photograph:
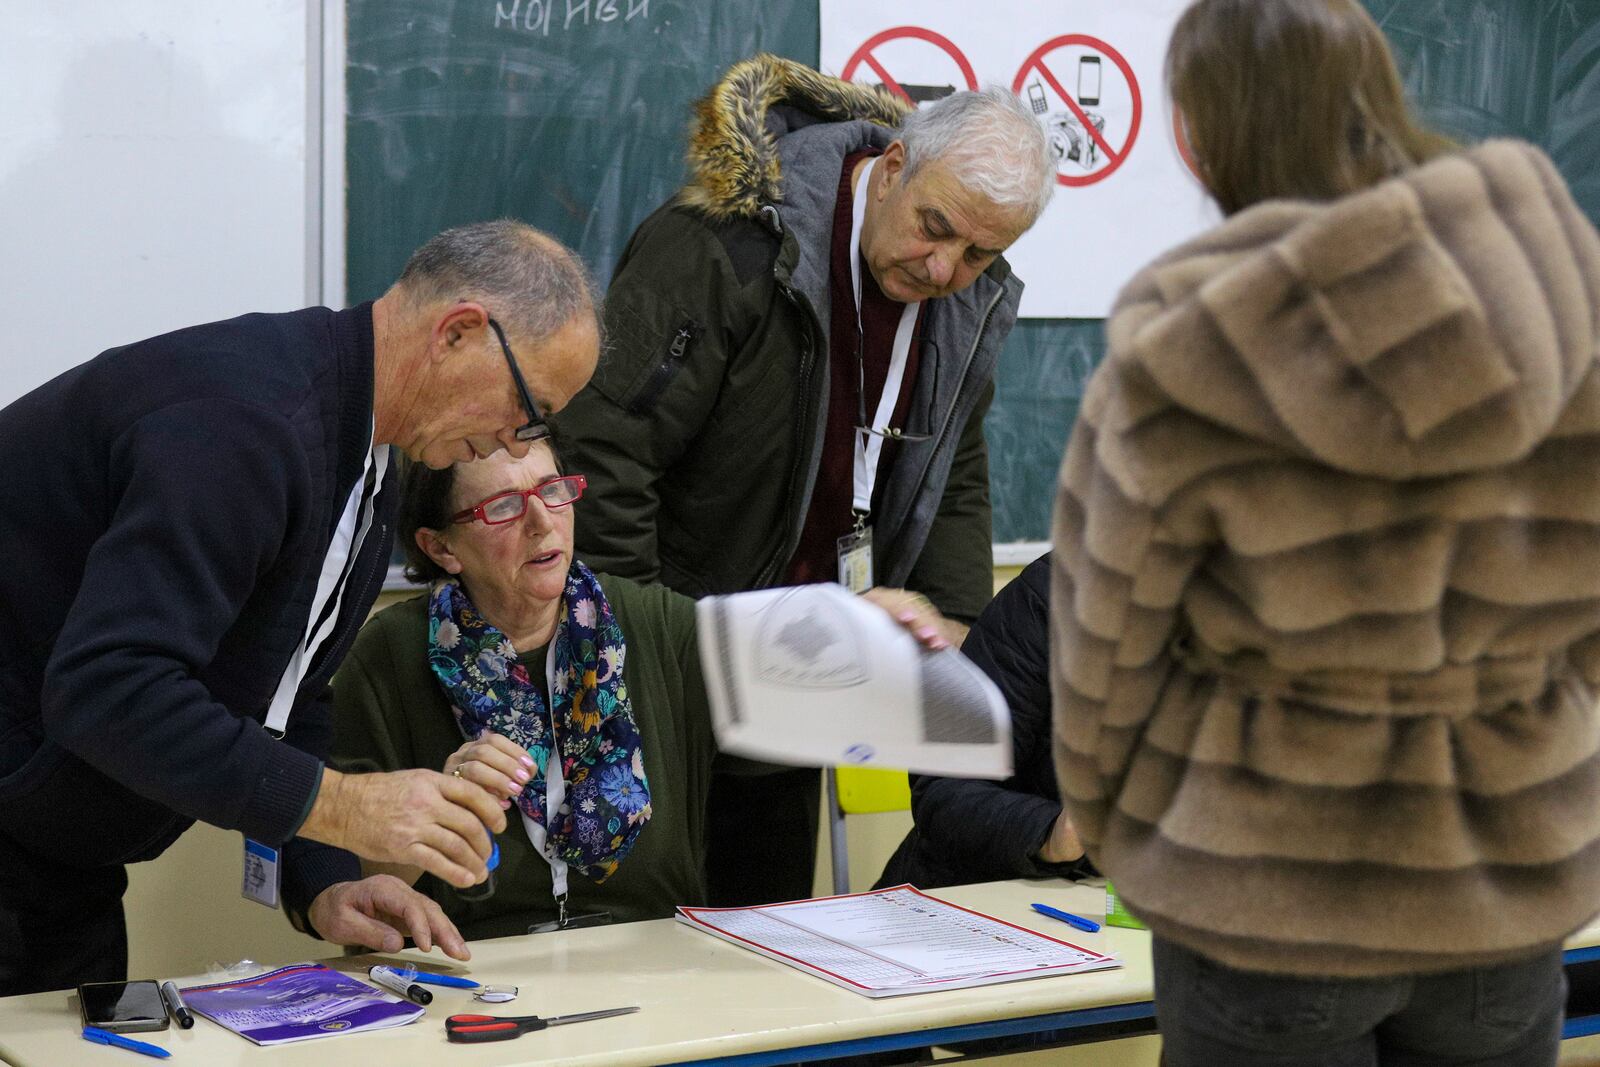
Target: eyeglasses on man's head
point(534, 429)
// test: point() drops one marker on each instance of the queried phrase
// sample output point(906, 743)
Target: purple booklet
point(297, 1003)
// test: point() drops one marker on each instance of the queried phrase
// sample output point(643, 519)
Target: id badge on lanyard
point(263, 877)
point(854, 549)
point(855, 559)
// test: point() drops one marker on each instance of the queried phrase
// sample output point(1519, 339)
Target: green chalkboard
point(571, 114)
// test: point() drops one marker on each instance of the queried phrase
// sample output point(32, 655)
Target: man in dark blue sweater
point(197, 524)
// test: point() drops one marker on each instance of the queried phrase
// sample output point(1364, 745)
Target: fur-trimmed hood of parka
point(733, 142)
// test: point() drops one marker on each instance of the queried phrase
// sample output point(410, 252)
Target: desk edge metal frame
point(1582, 1026)
point(942, 1035)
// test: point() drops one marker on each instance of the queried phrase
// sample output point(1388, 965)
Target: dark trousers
point(59, 925)
point(1503, 1016)
point(761, 837)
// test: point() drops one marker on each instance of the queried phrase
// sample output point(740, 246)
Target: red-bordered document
point(896, 941)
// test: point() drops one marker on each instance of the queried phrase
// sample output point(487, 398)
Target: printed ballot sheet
point(894, 941)
point(815, 675)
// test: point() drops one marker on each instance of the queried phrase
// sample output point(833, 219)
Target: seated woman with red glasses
point(583, 706)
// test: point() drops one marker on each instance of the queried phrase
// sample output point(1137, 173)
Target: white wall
point(158, 169)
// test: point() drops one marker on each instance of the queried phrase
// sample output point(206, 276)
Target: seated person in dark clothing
point(968, 830)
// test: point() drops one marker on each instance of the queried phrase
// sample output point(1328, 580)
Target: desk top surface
point(700, 998)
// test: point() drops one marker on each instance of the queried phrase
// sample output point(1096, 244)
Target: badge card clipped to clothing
point(262, 876)
point(855, 560)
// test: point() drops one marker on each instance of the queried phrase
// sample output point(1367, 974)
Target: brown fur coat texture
point(1326, 635)
point(733, 140)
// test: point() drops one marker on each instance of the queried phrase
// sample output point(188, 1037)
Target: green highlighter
point(1117, 914)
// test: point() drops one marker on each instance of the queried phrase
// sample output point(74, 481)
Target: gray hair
point(532, 283)
point(991, 141)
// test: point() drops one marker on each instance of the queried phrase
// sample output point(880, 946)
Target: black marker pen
point(175, 1004)
point(386, 977)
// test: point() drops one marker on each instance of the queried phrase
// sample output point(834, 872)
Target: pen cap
point(396, 981)
point(484, 889)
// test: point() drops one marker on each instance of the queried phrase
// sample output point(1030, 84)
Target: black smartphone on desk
point(123, 1007)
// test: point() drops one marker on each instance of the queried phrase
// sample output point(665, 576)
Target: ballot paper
point(298, 1003)
point(892, 942)
point(814, 675)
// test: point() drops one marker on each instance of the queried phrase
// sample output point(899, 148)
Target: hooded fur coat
point(1327, 579)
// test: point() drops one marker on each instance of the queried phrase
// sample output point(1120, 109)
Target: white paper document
point(816, 676)
point(894, 941)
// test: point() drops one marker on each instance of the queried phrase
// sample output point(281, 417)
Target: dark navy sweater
point(164, 514)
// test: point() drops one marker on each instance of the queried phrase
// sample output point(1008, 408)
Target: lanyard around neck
point(555, 792)
point(869, 446)
point(332, 584)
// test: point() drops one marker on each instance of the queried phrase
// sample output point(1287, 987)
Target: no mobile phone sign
point(1090, 113)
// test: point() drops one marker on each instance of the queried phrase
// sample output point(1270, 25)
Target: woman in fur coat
point(1327, 572)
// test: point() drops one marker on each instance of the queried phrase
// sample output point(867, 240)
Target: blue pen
point(1088, 926)
point(106, 1037)
point(450, 980)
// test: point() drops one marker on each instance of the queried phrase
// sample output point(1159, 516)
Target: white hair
point(992, 143)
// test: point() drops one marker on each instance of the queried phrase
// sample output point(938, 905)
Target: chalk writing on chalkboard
point(537, 16)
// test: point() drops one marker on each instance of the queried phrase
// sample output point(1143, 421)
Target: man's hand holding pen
point(437, 822)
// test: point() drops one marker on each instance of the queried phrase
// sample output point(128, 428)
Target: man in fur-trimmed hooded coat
point(717, 433)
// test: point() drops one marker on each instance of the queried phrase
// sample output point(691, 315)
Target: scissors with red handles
point(473, 1029)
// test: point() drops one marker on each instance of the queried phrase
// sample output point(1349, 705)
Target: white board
point(1124, 193)
point(158, 170)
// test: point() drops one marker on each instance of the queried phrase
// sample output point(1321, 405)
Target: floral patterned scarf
point(608, 799)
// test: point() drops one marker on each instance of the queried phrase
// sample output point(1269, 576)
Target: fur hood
point(1436, 323)
point(733, 142)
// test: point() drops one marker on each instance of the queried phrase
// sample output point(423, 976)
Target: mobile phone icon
point(1036, 98)
point(1089, 80)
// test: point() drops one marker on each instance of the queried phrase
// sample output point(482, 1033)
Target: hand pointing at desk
point(380, 912)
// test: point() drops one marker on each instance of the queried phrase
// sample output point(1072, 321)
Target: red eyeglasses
point(511, 506)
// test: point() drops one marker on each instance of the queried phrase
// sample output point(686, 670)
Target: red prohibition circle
point(1037, 60)
point(943, 43)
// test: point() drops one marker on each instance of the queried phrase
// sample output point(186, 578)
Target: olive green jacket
point(390, 714)
point(701, 431)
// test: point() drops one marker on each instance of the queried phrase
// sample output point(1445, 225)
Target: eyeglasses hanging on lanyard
point(890, 433)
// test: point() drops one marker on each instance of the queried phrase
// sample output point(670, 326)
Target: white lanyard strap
point(869, 446)
point(335, 566)
point(555, 792)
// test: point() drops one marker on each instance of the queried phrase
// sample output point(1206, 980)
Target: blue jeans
point(1217, 1016)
